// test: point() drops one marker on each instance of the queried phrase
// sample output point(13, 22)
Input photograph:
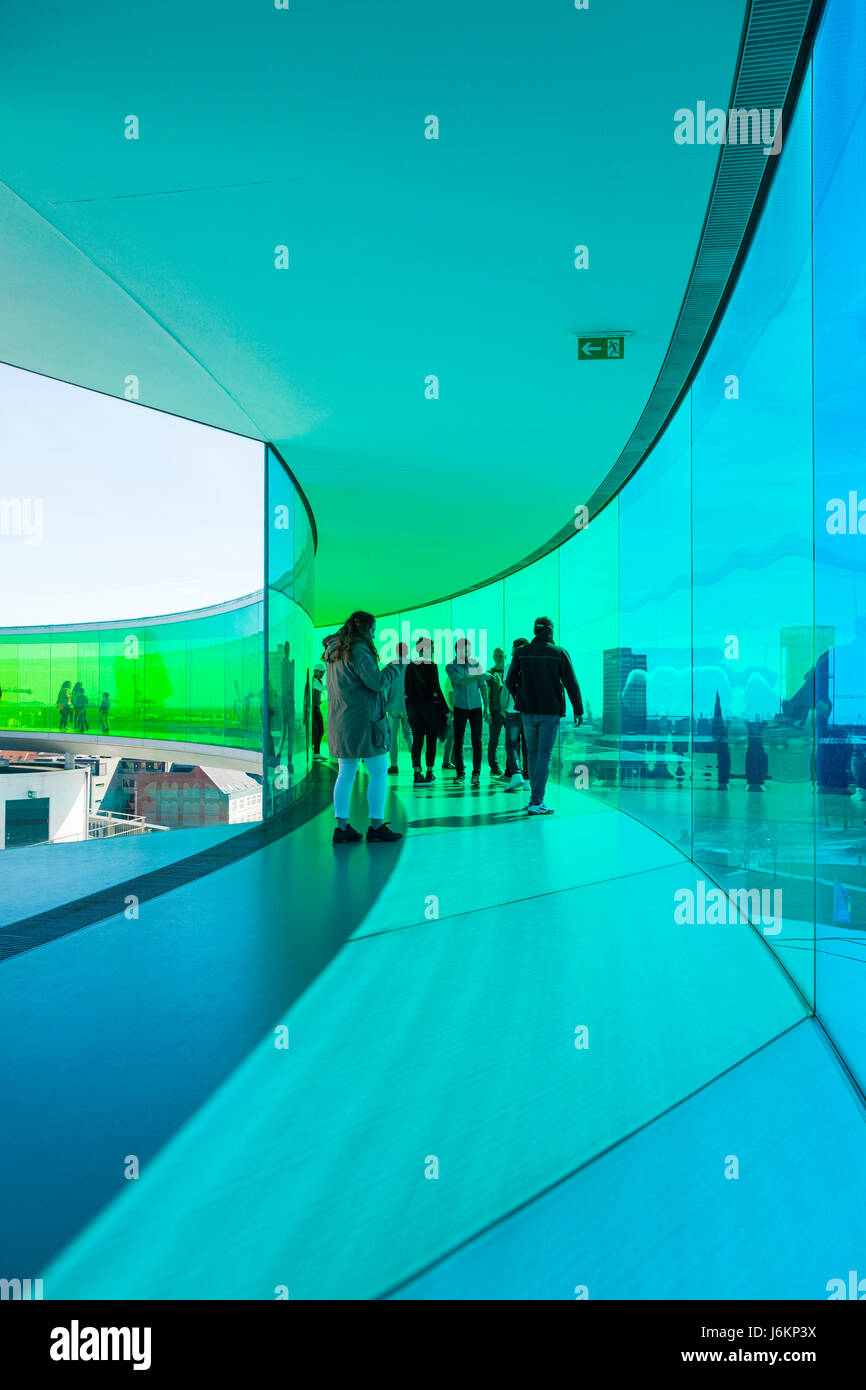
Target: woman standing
point(358, 722)
point(426, 707)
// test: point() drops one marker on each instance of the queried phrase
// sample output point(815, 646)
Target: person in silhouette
point(80, 703)
point(305, 715)
point(318, 718)
point(398, 719)
point(64, 703)
point(539, 676)
point(426, 707)
point(516, 767)
point(447, 734)
point(104, 708)
point(287, 707)
point(495, 683)
point(469, 684)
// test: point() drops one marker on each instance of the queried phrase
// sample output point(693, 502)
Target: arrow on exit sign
point(599, 349)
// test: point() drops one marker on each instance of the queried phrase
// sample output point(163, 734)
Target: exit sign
point(599, 349)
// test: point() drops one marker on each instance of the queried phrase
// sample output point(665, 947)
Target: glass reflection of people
point(318, 719)
point(495, 684)
point(426, 709)
point(469, 683)
point(64, 703)
point(104, 708)
point(306, 713)
point(80, 703)
point(398, 719)
point(358, 723)
point(287, 706)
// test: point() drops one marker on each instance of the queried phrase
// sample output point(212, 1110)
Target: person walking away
point(104, 708)
point(516, 767)
point(495, 683)
point(398, 719)
point(318, 718)
point(540, 675)
point(469, 683)
point(426, 708)
point(358, 723)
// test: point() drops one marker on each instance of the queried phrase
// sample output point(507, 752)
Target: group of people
point(369, 704)
point(73, 704)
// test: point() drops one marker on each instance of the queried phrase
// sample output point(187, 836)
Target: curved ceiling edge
point(300, 491)
point(775, 49)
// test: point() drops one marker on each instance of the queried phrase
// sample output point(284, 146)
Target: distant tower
point(723, 752)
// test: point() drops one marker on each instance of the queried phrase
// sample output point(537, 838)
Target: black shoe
point(382, 836)
point(496, 770)
point(392, 771)
point(347, 836)
point(476, 779)
point(429, 775)
point(419, 777)
point(459, 778)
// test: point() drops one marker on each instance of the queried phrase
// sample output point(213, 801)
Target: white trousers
point(377, 786)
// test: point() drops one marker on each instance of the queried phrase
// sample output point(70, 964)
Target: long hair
point(356, 628)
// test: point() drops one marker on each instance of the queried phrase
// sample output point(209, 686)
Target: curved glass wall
point(289, 564)
point(185, 678)
point(189, 678)
point(715, 611)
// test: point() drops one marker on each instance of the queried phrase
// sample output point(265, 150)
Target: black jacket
point(538, 677)
point(422, 684)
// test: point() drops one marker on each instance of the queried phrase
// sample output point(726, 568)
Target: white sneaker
point(539, 810)
point(515, 784)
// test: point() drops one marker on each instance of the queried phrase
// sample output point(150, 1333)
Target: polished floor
point(113, 1033)
point(511, 1075)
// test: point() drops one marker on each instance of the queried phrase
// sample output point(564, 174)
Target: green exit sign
point(600, 349)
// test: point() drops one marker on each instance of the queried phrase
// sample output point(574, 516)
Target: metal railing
point(101, 824)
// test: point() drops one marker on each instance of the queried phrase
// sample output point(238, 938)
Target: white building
point(50, 804)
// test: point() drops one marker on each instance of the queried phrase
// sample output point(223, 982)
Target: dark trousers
point(515, 747)
point(462, 717)
point(318, 729)
point(496, 724)
point(425, 721)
